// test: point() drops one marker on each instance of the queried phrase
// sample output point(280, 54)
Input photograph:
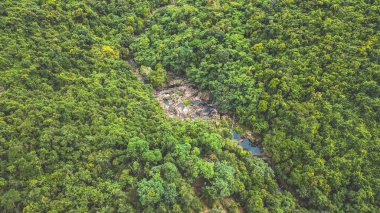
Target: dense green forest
point(80, 133)
point(304, 74)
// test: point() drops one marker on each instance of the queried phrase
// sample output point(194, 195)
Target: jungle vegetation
point(80, 133)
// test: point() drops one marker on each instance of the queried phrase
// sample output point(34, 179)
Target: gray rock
point(180, 106)
point(205, 96)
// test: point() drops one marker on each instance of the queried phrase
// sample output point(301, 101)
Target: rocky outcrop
point(181, 99)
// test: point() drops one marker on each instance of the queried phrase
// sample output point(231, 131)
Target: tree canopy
point(303, 74)
point(79, 132)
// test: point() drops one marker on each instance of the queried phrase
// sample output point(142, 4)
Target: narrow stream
point(246, 144)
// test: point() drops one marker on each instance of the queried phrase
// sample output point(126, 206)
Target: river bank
point(181, 99)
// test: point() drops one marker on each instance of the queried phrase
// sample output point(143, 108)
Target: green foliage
point(213, 142)
point(221, 185)
point(186, 102)
point(303, 74)
point(155, 77)
point(10, 199)
point(80, 133)
point(150, 191)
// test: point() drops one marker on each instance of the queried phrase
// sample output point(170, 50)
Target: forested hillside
point(304, 74)
point(80, 133)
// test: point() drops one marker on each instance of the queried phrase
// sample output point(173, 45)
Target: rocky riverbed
point(180, 98)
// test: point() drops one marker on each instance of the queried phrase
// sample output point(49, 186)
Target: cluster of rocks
point(180, 98)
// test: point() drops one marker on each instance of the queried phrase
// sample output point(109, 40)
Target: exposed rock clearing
point(180, 98)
